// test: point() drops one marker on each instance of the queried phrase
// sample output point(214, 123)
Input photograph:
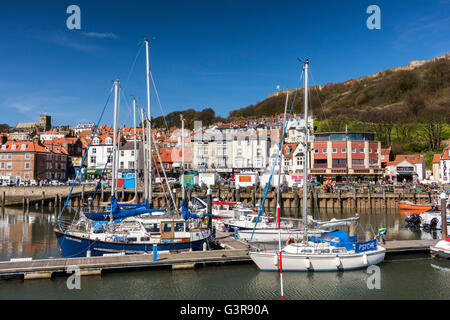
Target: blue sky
point(219, 54)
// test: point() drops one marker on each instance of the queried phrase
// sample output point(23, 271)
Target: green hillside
point(408, 109)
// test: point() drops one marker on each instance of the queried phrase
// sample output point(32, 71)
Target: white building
point(100, 152)
point(445, 166)
point(50, 135)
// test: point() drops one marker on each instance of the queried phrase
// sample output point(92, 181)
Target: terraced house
point(30, 160)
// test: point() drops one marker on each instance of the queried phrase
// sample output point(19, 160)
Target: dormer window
point(4, 147)
point(13, 147)
point(23, 147)
point(108, 140)
point(96, 140)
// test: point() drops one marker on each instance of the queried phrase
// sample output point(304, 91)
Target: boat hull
point(273, 235)
point(441, 249)
point(75, 246)
point(268, 261)
point(417, 208)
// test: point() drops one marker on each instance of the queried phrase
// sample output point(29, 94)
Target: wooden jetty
point(235, 251)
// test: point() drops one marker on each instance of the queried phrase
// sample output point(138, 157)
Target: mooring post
point(444, 214)
point(102, 196)
point(43, 198)
point(155, 252)
point(3, 198)
point(209, 207)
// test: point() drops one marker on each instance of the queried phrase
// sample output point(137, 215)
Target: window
point(151, 227)
point(316, 150)
point(9, 156)
point(132, 153)
point(122, 153)
point(167, 227)
point(9, 165)
point(13, 147)
point(344, 150)
point(94, 151)
point(27, 165)
point(26, 176)
point(358, 162)
point(23, 147)
point(361, 150)
point(324, 150)
point(353, 150)
point(27, 156)
point(131, 164)
point(4, 147)
point(2, 156)
point(2, 165)
point(179, 226)
point(93, 159)
point(334, 150)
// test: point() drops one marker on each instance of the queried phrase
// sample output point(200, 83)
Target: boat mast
point(149, 127)
point(182, 156)
point(306, 162)
point(145, 156)
point(135, 151)
point(114, 162)
point(279, 197)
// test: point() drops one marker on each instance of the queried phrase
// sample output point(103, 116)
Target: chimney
point(4, 138)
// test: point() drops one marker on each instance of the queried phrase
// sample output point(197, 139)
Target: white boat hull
point(273, 235)
point(441, 249)
point(269, 261)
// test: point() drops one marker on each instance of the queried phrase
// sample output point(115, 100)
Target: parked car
point(33, 183)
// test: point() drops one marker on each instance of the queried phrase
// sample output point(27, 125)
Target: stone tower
point(45, 122)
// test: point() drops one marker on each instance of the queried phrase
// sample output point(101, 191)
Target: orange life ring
point(291, 239)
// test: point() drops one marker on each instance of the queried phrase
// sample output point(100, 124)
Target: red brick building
point(30, 160)
point(345, 156)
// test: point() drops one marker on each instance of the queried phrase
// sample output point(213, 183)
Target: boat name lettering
point(73, 239)
point(366, 246)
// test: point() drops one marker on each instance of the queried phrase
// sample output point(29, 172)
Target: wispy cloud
point(23, 108)
point(71, 42)
point(100, 35)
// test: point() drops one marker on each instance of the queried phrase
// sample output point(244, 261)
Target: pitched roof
point(436, 158)
point(446, 154)
point(30, 146)
point(411, 158)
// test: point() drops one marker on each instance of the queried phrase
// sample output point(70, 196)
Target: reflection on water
point(31, 234)
point(411, 276)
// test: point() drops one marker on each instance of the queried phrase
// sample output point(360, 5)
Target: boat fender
point(275, 260)
point(338, 262)
point(365, 259)
point(307, 263)
point(288, 241)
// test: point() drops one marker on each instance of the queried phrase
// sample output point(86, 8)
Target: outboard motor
point(413, 220)
point(433, 223)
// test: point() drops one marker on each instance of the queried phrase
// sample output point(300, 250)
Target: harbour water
point(409, 276)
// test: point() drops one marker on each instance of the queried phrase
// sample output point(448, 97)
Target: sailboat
point(130, 230)
point(333, 250)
